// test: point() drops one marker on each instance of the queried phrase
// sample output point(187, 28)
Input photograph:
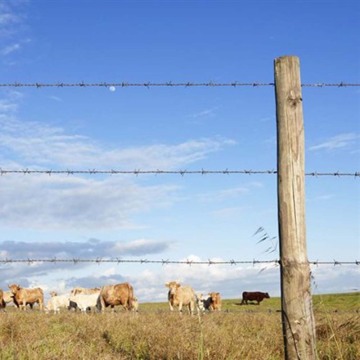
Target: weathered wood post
point(297, 314)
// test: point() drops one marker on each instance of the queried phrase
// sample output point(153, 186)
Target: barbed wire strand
point(26, 171)
point(168, 84)
point(166, 262)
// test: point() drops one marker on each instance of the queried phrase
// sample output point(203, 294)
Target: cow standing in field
point(56, 302)
point(180, 295)
point(114, 295)
point(85, 301)
point(257, 296)
point(23, 296)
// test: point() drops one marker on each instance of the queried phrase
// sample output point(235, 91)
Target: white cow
point(180, 295)
point(200, 302)
point(84, 301)
point(57, 302)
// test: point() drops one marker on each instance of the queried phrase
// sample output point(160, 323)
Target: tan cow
point(2, 301)
point(179, 295)
point(23, 296)
point(119, 294)
point(84, 291)
point(8, 297)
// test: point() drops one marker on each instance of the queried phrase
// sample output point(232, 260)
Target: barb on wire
point(137, 172)
point(208, 262)
point(149, 84)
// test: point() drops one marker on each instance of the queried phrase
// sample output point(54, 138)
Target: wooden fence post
point(296, 300)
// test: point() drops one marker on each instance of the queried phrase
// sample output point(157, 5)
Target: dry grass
point(246, 332)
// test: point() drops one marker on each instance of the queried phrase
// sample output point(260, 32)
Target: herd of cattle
point(122, 295)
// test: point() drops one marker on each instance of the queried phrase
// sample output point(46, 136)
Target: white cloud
point(223, 195)
point(335, 279)
point(11, 17)
point(229, 212)
point(228, 193)
point(7, 107)
point(76, 202)
point(205, 113)
point(44, 145)
point(55, 98)
point(7, 18)
point(337, 142)
point(10, 49)
point(90, 249)
point(72, 202)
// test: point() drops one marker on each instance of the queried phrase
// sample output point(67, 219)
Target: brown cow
point(23, 296)
point(179, 295)
point(253, 296)
point(84, 291)
point(215, 301)
point(119, 294)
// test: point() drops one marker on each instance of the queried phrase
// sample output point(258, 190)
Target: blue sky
point(154, 217)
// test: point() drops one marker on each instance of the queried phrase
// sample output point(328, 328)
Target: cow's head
point(14, 288)
point(134, 304)
point(53, 293)
point(267, 295)
point(173, 286)
point(215, 296)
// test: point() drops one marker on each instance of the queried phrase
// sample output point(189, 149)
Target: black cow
point(253, 296)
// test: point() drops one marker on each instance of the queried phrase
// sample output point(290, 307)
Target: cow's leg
point(171, 307)
point(102, 302)
point(191, 308)
point(180, 307)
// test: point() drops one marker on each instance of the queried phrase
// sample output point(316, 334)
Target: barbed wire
point(50, 172)
point(209, 262)
point(168, 84)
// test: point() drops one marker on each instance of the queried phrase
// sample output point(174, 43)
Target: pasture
point(238, 332)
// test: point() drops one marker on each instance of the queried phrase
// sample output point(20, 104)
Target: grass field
point(238, 332)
